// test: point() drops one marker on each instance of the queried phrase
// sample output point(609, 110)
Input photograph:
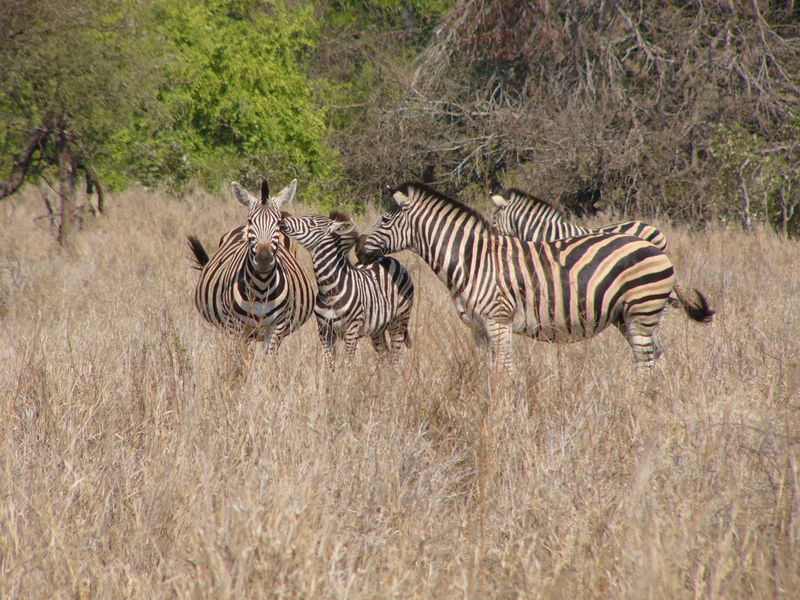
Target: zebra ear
point(342, 227)
point(402, 200)
point(242, 196)
point(499, 201)
point(286, 194)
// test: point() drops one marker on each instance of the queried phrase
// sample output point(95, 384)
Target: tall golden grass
point(146, 454)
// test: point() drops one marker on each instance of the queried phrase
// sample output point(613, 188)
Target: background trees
point(688, 109)
point(625, 105)
point(237, 102)
point(74, 75)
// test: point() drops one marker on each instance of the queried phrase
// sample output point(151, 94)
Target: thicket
point(685, 108)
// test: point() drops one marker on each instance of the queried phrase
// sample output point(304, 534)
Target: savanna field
point(146, 454)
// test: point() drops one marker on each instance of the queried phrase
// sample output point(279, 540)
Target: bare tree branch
point(23, 161)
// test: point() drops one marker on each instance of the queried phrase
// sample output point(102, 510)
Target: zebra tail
point(200, 256)
point(700, 311)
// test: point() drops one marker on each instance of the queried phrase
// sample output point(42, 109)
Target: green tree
point(758, 176)
point(73, 74)
point(237, 102)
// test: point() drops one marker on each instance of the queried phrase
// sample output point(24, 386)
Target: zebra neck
point(452, 255)
point(330, 268)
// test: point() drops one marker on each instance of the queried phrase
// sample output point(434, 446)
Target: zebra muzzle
point(364, 254)
point(264, 257)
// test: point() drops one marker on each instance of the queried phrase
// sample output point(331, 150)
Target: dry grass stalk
point(146, 454)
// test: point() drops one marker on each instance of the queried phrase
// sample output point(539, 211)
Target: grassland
point(145, 454)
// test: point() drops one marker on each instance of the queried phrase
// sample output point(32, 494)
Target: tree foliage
point(73, 74)
point(237, 102)
point(160, 92)
point(689, 108)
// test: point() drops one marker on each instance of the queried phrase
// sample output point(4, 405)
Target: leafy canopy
point(85, 69)
point(236, 102)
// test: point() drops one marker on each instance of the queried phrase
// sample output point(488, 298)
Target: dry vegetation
point(145, 454)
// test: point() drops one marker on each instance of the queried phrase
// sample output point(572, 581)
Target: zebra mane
point(404, 188)
point(530, 199)
point(337, 215)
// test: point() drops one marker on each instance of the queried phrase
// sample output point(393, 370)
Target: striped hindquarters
point(571, 289)
point(385, 291)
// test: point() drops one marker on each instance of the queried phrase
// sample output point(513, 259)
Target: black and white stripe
point(560, 291)
point(532, 219)
point(353, 301)
point(253, 284)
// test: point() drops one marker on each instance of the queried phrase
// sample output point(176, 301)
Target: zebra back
point(531, 219)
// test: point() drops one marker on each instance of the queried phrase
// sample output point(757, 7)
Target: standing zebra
point(353, 300)
point(535, 220)
point(560, 291)
point(253, 284)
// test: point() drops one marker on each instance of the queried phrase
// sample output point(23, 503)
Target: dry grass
point(145, 454)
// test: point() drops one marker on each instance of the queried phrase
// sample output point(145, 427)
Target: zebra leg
point(480, 335)
point(328, 339)
point(640, 338)
point(398, 333)
point(379, 342)
point(351, 338)
point(499, 333)
point(272, 340)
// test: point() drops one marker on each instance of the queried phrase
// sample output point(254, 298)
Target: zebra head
point(391, 232)
point(263, 222)
point(500, 217)
point(313, 231)
point(517, 212)
point(510, 204)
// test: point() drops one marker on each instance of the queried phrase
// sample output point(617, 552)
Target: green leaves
point(237, 101)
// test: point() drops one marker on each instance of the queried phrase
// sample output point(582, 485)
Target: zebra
point(353, 301)
point(532, 219)
point(561, 291)
point(253, 284)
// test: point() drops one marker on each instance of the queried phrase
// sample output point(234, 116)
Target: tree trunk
point(746, 223)
point(66, 187)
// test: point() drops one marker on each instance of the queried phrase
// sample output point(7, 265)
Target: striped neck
point(330, 261)
point(446, 235)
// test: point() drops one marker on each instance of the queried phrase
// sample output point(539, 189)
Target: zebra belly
point(340, 319)
point(563, 321)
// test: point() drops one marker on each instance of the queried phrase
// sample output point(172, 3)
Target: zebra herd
point(529, 272)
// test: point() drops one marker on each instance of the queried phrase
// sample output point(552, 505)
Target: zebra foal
point(253, 284)
point(561, 291)
point(353, 301)
point(532, 219)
